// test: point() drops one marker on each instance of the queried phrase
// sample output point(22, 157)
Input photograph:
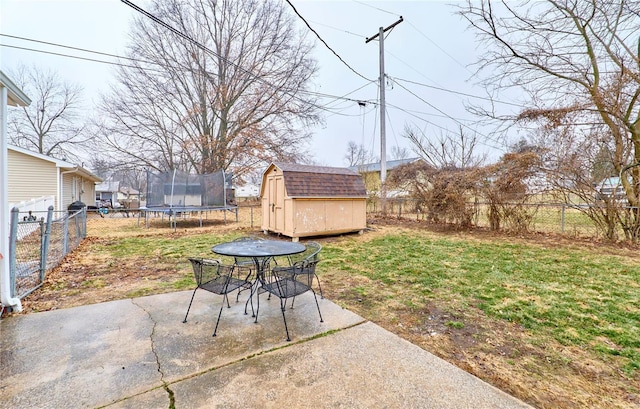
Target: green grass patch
point(574, 296)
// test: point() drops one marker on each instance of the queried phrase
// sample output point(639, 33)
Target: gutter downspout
point(5, 276)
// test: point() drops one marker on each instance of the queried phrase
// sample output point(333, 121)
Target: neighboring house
point(110, 193)
point(247, 191)
point(36, 178)
point(611, 188)
point(371, 174)
point(107, 193)
point(129, 197)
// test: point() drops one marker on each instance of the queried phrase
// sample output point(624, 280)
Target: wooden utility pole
point(383, 136)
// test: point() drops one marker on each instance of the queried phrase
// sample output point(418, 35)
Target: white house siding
point(69, 190)
point(75, 187)
point(30, 177)
point(88, 196)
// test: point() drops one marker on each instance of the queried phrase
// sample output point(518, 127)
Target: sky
point(427, 59)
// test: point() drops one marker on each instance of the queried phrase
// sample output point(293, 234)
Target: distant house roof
point(320, 181)
point(108, 186)
point(611, 181)
point(129, 191)
point(375, 167)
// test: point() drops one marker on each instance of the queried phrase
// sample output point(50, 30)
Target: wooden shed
point(300, 200)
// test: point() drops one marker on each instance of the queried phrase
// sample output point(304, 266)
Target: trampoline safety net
point(176, 189)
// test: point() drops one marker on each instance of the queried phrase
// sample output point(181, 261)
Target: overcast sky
point(432, 47)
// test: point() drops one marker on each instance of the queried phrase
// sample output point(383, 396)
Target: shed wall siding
point(30, 177)
point(309, 217)
point(318, 217)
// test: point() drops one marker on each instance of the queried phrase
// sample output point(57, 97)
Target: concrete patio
point(137, 353)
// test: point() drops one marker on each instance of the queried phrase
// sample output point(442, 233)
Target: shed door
point(276, 208)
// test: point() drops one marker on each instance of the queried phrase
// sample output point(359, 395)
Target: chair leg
point(282, 308)
point(317, 305)
point(190, 302)
point(243, 288)
point(254, 290)
point(319, 286)
point(219, 315)
point(258, 307)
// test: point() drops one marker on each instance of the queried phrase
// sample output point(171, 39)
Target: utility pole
point(383, 136)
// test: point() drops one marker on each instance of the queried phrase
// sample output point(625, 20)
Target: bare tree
point(52, 124)
point(578, 61)
point(224, 88)
point(357, 155)
point(398, 152)
point(446, 150)
point(448, 180)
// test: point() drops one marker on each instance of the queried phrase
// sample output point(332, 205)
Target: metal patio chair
point(217, 278)
point(290, 282)
point(311, 254)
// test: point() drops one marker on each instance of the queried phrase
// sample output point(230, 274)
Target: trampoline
point(174, 194)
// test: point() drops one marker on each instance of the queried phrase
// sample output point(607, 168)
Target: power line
point(321, 95)
point(409, 111)
point(71, 56)
point(376, 8)
point(440, 48)
point(325, 43)
point(344, 97)
point(75, 48)
point(449, 116)
point(411, 67)
point(337, 29)
point(434, 107)
point(459, 93)
point(393, 131)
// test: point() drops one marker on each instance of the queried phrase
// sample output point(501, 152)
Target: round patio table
point(258, 249)
point(261, 251)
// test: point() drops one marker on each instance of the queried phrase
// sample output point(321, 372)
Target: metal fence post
point(13, 237)
point(45, 243)
point(43, 265)
point(65, 235)
point(82, 227)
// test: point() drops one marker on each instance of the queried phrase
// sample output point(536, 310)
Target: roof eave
point(15, 96)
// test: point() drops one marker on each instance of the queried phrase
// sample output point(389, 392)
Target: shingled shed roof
point(321, 181)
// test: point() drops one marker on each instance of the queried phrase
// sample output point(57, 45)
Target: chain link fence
point(101, 221)
point(38, 241)
point(556, 218)
point(553, 218)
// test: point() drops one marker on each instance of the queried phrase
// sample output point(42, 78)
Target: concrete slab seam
point(267, 351)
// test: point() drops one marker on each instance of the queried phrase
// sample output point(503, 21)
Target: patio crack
point(165, 385)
